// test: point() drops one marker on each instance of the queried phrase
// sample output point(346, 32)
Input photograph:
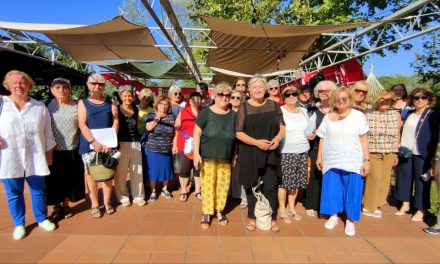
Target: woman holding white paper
point(96, 112)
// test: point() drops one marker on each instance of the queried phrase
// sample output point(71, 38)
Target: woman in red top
point(184, 125)
point(274, 91)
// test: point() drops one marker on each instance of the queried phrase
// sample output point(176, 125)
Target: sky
point(94, 11)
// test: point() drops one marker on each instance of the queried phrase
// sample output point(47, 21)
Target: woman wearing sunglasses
point(176, 96)
point(237, 190)
point(384, 137)
point(294, 150)
point(274, 91)
point(344, 159)
point(360, 92)
point(214, 135)
point(419, 139)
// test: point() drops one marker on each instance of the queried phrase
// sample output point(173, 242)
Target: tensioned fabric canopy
point(149, 70)
point(111, 40)
point(250, 49)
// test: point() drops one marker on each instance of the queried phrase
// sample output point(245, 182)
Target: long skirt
point(160, 166)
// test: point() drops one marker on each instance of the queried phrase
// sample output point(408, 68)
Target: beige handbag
point(263, 211)
point(99, 172)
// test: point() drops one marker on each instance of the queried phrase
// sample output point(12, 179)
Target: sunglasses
point(227, 96)
point(423, 97)
point(236, 97)
point(287, 95)
point(178, 94)
point(97, 83)
point(342, 99)
point(273, 88)
point(386, 100)
point(240, 84)
point(358, 91)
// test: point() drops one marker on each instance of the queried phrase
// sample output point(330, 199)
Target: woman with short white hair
point(176, 96)
point(260, 128)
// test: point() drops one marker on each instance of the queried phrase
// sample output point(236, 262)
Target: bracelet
point(91, 141)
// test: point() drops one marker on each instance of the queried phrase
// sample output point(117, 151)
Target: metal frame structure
point(177, 35)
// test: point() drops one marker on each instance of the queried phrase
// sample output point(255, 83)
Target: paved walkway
point(168, 231)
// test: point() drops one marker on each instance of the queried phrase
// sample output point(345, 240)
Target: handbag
point(104, 167)
point(404, 152)
point(263, 211)
point(189, 145)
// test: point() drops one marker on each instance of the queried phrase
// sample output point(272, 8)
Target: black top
point(128, 130)
point(314, 144)
point(218, 134)
point(259, 122)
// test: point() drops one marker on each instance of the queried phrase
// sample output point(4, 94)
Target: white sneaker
point(47, 225)
point(19, 232)
point(377, 213)
point(349, 228)
point(139, 201)
point(331, 222)
point(310, 212)
point(125, 202)
point(366, 212)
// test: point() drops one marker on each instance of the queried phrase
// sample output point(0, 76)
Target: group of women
point(338, 148)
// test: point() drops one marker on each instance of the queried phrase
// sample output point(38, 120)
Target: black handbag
point(404, 152)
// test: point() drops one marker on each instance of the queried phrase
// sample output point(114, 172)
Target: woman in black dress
point(260, 128)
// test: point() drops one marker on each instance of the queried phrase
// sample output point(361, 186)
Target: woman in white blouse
point(294, 149)
point(26, 151)
point(344, 159)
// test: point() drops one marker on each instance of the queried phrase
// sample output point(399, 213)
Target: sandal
point(222, 219)
point(183, 197)
point(67, 211)
point(198, 196)
point(286, 218)
point(275, 227)
point(205, 221)
point(57, 213)
point(96, 213)
point(109, 208)
point(251, 225)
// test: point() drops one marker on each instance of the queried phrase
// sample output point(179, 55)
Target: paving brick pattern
point(168, 231)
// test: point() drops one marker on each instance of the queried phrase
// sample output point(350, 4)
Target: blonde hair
point(256, 79)
point(96, 77)
point(161, 98)
point(221, 86)
point(381, 95)
point(272, 82)
point(146, 92)
point(28, 78)
point(360, 85)
point(334, 97)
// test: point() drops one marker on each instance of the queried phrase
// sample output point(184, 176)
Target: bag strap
point(423, 117)
point(185, 135)
point(258, 193)
point(1, 104)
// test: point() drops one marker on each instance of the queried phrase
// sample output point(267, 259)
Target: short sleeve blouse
point(161, 138)
point(342, 146)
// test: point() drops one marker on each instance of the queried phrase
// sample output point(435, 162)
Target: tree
point(132, 11)
point(427, 64)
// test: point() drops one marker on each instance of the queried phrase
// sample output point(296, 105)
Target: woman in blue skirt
point(158, 148)
point(344, 159)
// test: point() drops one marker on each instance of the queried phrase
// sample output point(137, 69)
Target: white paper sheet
point(105, 136)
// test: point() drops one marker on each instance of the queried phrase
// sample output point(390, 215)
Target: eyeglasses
point(423, 97)
point(273, 88)
point(240, 84)
point(343, 99)
point(164, 104)
point(97, 83)
point(324, 91)
point(386, 100)
point(227, 96)
point(177, 94)
point(287, 95)
point(236, 97)
point(358, 91)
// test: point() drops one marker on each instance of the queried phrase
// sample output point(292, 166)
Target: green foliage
point(427, 64)
point(134, 12)
point(39, 92)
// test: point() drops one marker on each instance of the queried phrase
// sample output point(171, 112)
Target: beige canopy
point(250, 49)
point(111, 40)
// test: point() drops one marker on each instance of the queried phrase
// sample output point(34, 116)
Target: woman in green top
point(214, 135)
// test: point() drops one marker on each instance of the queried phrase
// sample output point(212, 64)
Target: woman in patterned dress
point(384, 137)
point(294, 150)
point(65, 183)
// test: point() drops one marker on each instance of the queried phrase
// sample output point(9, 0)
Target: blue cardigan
point(429, 133)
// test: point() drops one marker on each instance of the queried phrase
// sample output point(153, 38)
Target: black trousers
point(269, 190)
point(313, 191)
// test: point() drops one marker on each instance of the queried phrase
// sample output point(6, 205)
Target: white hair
point(326, 83)
point(174, 88)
